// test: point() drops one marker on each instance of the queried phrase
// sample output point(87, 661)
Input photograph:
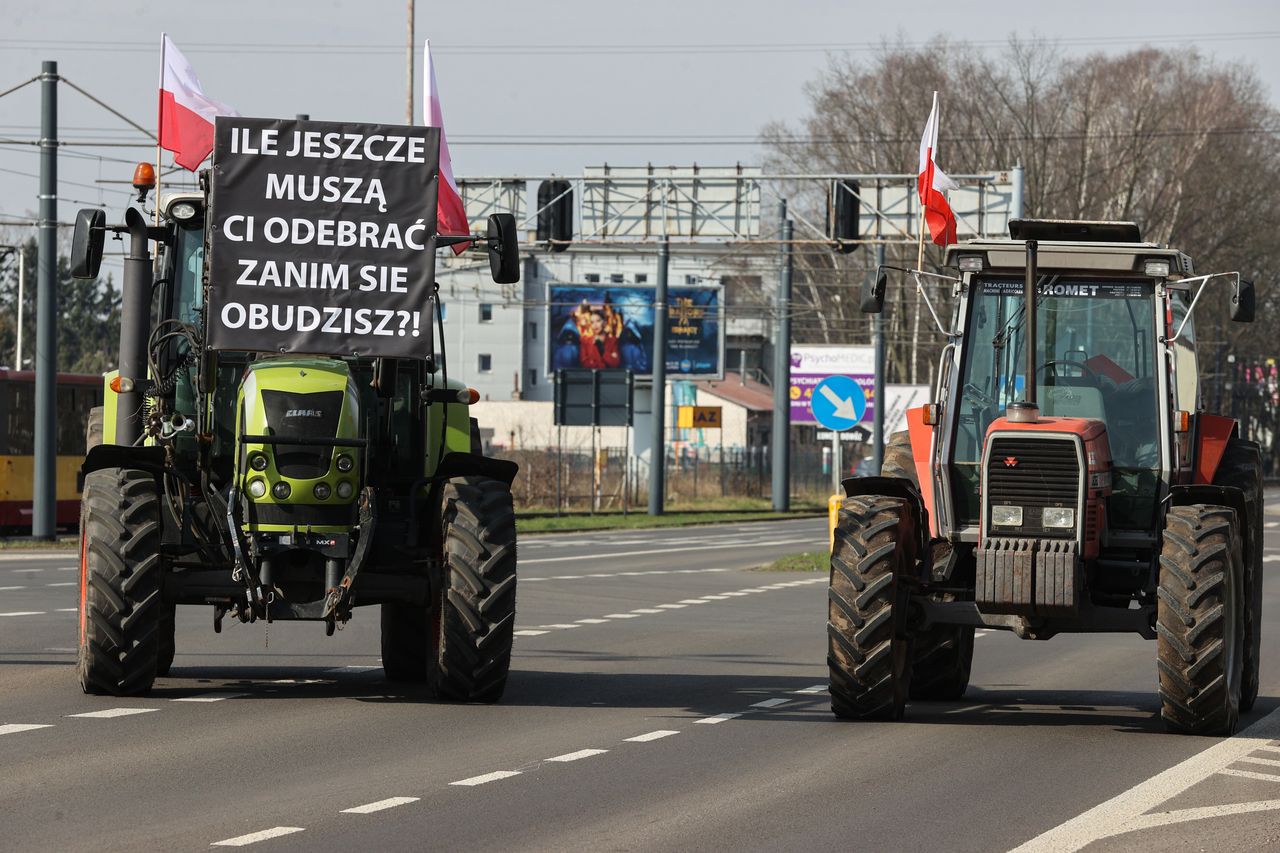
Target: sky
point(527, 88)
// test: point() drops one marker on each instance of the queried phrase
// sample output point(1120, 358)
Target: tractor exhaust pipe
point(1026, 410)
point(135, 320)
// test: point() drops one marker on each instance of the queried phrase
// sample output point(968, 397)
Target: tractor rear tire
point(120, 606)
point(1241, 466)
point(405, 641)
point(868, 649)
point(897, 460)
point(1200, 617)
point(940, 662)
point(475, 622)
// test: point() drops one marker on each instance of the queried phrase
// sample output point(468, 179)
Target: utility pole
point(44, 490)
point(658, 443)
point(877, 419)
point(781, 439)
point(408, 105)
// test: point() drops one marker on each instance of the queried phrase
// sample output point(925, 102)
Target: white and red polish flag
point(186, 113)
point(933, 182)
point(451, 216)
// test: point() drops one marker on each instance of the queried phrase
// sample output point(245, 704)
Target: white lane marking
point(380, 805)
point(14, 728)
point(619, 574)
point(67, 610)
point(734, 593)
point(1158, 819)
point(209, 697)
point(770, 703)
point(353, 668)
point(528, 633)
point(10, 588)
point(646, 610)
point(672, 606)
point(1271, 558)
point(811, 691)
point(593, 621)
point(680, 550)
point(575, 756)
point(23, 613)
point(718, 718)
point(1128, 810)
point(26, 571)
point(648, 736)
point(1249, 774)
point(68, 568)
point(964, 709)
point(621, 616)
point(254, 837)
point(1272, 524)
point(109, 713)
point(560, 626)
point(64, 583)
point(714, 597)
point(1253, 759)
point(692, 601)
point(487, 777)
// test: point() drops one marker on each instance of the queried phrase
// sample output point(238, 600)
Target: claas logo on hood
point(304, 413)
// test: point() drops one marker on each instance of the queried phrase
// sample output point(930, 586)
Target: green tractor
point(271, 487)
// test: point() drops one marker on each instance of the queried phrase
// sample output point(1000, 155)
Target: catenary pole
point(780, 443)
point(658, 442)
point(44, 488)
point(877, 419)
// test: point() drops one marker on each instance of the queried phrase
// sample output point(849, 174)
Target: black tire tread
point(477, 618)
point(119, 654)
point(1196, 692)
point(868, 655)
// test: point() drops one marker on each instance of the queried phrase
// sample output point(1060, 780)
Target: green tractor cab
point(272, 485)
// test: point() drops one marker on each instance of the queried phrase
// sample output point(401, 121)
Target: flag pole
point(159, 122)
point(920, 254)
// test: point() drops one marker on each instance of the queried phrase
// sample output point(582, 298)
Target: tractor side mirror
point(1242, 302)
point(873, 292)
point(504, 251)
point(87, 242)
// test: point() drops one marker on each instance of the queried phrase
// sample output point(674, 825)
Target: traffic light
point(845, 210)
point(555, 213)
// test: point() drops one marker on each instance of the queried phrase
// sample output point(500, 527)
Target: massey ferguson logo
point(303, 413)
point(1011, 461)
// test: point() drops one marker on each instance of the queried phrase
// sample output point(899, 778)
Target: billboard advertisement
point(812, 364)
point(322, 237)
point(599, 327)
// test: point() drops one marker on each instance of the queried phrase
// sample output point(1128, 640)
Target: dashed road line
point(255, 837)
point(592, 621)
point(692, 601)
point(718, 718)
point(714, 597)
point(26, 571)
point(64, 583)
point(815, 690)
point(109, 713)
point(209, 697)
point(380, 805)
point(15, 728)
point(528, 632)
point(651, 736)
point(672, 606)
point(354, 668)
point(678, 550)
point(621, 616)
point(647, 611)
point(486, 778)
point(10, 588)
point(24, 613)
point(577, 756)
point(770, 703)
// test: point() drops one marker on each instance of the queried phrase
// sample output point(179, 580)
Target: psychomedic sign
point(322, 237)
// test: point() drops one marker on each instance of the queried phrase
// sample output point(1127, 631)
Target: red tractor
point(1066, 479)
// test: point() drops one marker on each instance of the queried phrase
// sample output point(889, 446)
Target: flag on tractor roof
point(186, 112)
point(932, 182)
point(451, 216)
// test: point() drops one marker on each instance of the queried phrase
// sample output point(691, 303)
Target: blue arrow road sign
point(838, 403)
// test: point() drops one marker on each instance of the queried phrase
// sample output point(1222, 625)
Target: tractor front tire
point(120, 606)
point(1200, 616)
point(868, 650)
point(475, 623)
point(1241, 467)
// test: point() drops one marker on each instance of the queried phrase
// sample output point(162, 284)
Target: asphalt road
point(663, 697)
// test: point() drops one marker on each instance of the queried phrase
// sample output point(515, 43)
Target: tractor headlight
point(280, 491)
point(346, 490)
point(1058, 517)
point(257, 461)
point(1006, 516)
point(345, 463)
point(322, 491)
point(257, 487)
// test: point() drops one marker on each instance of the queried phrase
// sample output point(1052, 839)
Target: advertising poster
point(812, 364)
point(600, 327)
point(322, 237)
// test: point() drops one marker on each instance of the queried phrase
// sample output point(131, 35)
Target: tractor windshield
point(1095, 358)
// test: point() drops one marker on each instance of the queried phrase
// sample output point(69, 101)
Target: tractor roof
point(1076, 245)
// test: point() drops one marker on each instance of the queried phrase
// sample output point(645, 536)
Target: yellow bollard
point(833, 516)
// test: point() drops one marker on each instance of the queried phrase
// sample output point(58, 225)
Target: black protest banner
point(322, 237)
